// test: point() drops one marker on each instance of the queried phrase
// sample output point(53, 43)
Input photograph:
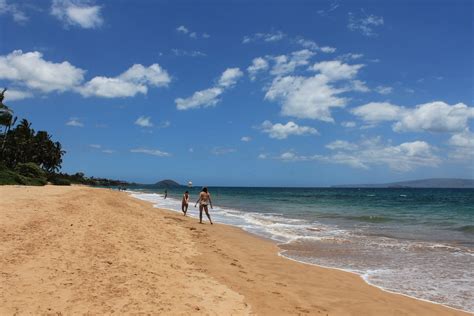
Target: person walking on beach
point(204, 200)
point(166, 194)
point(185, 202)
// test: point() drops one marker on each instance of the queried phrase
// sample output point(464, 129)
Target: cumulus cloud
point(144, 121)
point(463, 146)
point(350, 56)
point(135, 80)
point(74, 122)
point(153, 152)
point(372, 152)
point(31, 70)
point(336, 70)
point(210, 97)
point(435, 116)
point(265, 37)
point(280, 131)
point(258, 64)
point(229, 77)
point(246, 138)
point(286, 64)
point(14, 95)
point(306, 97)
point(364, 23)
point(77, 13)
point(313, 97)
point(14, 10)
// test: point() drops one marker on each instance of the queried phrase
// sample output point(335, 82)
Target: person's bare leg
point(185, 209)
point(207, 213)
point(200, 214)
point(183, 206)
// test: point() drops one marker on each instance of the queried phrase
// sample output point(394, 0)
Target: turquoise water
point(419, 242)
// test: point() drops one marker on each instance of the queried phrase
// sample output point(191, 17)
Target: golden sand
point(77, 250)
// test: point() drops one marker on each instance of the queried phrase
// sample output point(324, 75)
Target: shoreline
point(80, 249)
point(281, 251)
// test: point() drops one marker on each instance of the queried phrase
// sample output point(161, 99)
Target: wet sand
point(67, 250)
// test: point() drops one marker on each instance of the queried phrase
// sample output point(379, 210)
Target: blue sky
point(269, 93)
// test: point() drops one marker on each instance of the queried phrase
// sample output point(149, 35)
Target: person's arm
point(198, 200)
point(210, 202)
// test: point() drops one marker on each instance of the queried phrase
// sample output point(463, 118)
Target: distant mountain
point(167, 184)
point(424, 183)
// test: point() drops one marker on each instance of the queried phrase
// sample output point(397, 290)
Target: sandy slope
point(66, 250)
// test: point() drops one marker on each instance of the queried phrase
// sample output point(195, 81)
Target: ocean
point(417, 242)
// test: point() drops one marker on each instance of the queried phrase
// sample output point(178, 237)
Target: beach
point(68, 250)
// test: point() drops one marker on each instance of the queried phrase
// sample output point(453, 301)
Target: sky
point(246, 93)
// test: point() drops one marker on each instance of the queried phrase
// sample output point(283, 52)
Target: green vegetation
point(33, 158)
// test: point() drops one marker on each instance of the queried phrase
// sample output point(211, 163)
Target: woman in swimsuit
point(204, 200)
point(185, 202)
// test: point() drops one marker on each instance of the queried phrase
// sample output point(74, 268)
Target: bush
point(30, 170)
point(60, 181)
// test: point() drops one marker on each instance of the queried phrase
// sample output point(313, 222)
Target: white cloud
point(12, 9)
point(435, 116)
point(134, 80)
point(74, 122)
point(31, 70)
point(463, 146)
point(262, 156)
point(336, 70)
point(230, 77)
point(144, 121)
point(203, 98)
point(153, 152)
point(187, 53)
point(313, 97)
point(364, 23)
point(306, 97)
point(182, 29)
point(77, 13)
point(348, 124)
point(185, 30)
point(222, 151)
point(34, 72)
point(384, 89)
point(14, 95)
point(95, 146)
point(286, 64)
point(246, 138)
point(280, 131)
point(258, 64)
point(327, 49)
point(108, 151)
point(210, 97)
point(402, 158)
point(378, 111)
point(350, 56)
point(265, 37)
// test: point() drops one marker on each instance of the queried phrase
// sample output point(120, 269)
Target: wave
point(466, 229)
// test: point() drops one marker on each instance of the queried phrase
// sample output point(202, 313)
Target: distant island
point(422, 183)
point(167, 184)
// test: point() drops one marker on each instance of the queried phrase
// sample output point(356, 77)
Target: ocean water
point(418, 242)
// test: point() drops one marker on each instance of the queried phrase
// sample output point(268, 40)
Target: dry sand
point(77, 250)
